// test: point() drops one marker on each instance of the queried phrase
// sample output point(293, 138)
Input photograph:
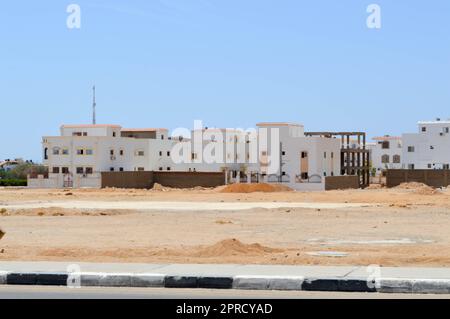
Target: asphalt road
point(46, 292)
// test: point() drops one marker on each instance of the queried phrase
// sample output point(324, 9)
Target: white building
point(8, 165)
point(304, 161)
point(386, 153)
point(429, 148)
point(274, 153)
point(78, 156)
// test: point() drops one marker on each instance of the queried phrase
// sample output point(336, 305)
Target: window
point(77, 134)
point(283, 173)
point(89, 151)
point(429, 165)
point(84, 133)
point(162, 137)
point(65, 170)
point(431, 147)
point(121, 169)
point(446, 166)
point(55, 170)
point(141, 169)
point(168, 153)
point(121, 152)
point(410, 166)
point(140, 153)
point(264, 153)
point(324, 154)
point(332, 156)
point(411, 149)
point(160, 153)
point(424, 128)
point(80, 151)
point(111, 169)
point(385, 159)
point(114, 134)
point(160, 168)
point(385, 145)
point(111, 152)
point(80, 170)
point(46, 153)
point(194, 156)
point(56, 151)
point(89, 170)
point(168, 168)
point(283, 153)
point(304, 154)
point(396, 159)
point(65, 151)
point(446, 129)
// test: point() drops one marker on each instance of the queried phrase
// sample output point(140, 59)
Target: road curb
point(3, 275)
point(414, 286)
point(41, 279)
point(268, 282)
point(290, 283)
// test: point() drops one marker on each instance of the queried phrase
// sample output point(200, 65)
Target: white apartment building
point(304, 161)
point(386, 153)
point(77, 157)
point(429, 148)
point(273, 153)
point(215, 150)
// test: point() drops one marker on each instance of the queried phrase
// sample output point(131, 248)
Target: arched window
point(396, 159)
point(385, 159)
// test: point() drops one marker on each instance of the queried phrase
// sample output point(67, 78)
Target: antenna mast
point(94, 104)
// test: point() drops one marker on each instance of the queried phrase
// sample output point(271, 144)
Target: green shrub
point(13, 182)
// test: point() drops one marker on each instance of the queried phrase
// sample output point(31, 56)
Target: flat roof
point(90, 125)
point(143, 129)
point(278, 124)
point(386, 138)
point(216, 129)
point(434, 122)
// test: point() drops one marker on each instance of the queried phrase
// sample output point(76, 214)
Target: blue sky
point(165, 63)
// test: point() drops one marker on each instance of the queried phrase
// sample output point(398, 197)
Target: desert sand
point(405, 226)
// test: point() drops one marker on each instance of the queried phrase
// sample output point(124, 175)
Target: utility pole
point(94, 104)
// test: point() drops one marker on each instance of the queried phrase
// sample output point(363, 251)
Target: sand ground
point(395, 227)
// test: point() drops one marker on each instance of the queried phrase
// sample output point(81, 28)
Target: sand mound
point(418, 188)
point(233, 247)
point(374, 186)
point(253, 188)
point(2, 233)
point(411, 185)
point(159, 187)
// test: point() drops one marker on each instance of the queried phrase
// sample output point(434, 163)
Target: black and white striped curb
point(293, 283)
